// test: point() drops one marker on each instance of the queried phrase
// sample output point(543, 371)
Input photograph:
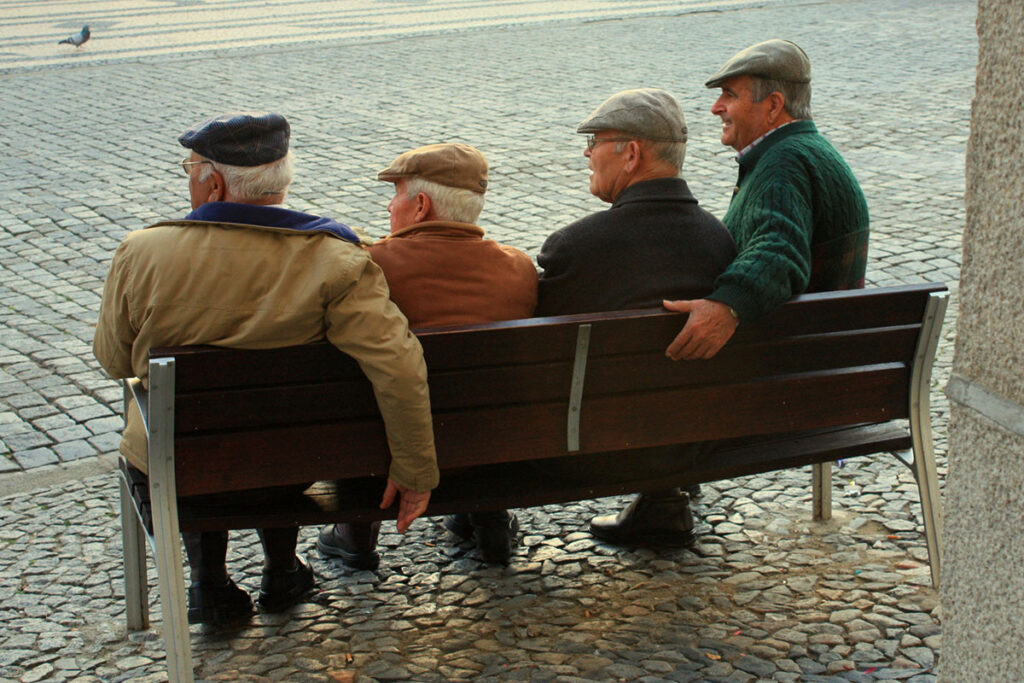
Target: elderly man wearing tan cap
point(653, 243)
point(441, 271)
point(242, 271)
point(798, 214)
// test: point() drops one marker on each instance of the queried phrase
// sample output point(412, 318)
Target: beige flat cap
point(776, 59)
point(452, 164)
point(648, 113)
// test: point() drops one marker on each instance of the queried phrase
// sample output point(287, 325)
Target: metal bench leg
point(921, 430)
point(164, 499)
point(133, 540)
point(821, 486)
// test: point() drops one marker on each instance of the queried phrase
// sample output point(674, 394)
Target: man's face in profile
point(402, 209)
point(743, 119)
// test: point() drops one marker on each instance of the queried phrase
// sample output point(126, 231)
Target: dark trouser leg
point(213, 598)
point(286, 578)
point(207, 553)
point(279, 548)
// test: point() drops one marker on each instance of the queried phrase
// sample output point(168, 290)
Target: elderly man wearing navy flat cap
point(797, 213)
point(241, 271)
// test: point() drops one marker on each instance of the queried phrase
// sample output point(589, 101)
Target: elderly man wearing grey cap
point(653, 243)
point(241, 271)
point(798, 214)
point(441, 271)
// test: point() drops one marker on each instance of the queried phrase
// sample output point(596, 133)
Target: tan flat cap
point(452, 164)
point(779, 60)
point(648, 113)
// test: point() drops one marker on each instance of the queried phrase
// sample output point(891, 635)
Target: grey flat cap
point(648, 113)
point(776, 59)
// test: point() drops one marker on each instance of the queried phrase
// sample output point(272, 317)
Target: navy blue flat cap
point(240, 139)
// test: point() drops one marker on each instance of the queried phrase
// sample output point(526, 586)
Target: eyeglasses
point(593, 141)
point(187, 164)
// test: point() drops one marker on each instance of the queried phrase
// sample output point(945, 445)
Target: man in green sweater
point(798, 215)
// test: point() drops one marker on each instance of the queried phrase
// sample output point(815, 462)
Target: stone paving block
point(35, 457)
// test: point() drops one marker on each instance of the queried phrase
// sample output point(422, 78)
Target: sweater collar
point(776, 136)
point(658, 189)
point(270, 217)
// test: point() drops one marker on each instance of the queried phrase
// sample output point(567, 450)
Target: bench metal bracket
point(579, 371)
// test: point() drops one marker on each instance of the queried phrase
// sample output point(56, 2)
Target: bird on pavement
point(78, 38)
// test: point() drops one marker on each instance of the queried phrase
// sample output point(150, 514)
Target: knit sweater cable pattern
point(800, 222)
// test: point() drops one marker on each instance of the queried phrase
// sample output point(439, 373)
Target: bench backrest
point(546, 387)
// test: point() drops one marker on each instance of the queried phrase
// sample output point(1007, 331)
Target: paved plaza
point(90, 153)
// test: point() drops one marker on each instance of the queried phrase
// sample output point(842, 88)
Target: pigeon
point(78, 38)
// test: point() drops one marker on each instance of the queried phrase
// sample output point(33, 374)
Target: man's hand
point(411, 503)
point(709, 326)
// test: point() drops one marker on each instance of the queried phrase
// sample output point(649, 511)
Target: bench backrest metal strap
point(579, 371)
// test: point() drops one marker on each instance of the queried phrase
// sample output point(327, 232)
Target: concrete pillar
point(983, 572)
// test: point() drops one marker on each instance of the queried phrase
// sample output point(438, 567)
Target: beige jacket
point(189, 282)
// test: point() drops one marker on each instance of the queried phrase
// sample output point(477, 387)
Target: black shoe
point(354, 543)
point(218, 604)
point(496, 535)
point(459, 525)
point(279, 590)
point(661, 519)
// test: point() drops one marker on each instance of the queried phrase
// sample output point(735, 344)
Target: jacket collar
point(254, 215)
point(659, 189)
point(452, 228)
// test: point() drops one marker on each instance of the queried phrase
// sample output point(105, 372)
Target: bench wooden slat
point(468, 437)
point(336, 399)
point(516, 340)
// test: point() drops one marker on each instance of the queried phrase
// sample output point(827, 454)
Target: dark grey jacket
point(653, 243)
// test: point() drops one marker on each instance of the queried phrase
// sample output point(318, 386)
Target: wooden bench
point(828, 376)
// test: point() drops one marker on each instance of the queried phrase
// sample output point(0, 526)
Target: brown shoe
point(663, 519)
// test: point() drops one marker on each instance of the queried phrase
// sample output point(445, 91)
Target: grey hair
point(673, 153)
point(450, 203)
point(797, 95)
point(250, 183)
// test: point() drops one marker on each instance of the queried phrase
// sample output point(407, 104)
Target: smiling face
point(743, 120)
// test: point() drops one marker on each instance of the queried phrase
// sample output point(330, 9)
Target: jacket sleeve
point(363, 322)
point(115, 334)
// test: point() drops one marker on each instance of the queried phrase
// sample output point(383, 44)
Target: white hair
point(450, 203)
point(251, 183)
point(673, 153)
point(797, 96)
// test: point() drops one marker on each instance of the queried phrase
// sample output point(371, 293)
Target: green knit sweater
point(800, 222)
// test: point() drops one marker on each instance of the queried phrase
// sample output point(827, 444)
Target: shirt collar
point(743, 152)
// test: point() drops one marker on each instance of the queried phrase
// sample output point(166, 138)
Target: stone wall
point(983, 573)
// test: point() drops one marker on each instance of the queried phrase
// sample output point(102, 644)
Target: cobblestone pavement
point(766, 595)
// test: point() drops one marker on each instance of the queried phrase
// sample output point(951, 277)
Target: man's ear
point(776, 106)
point(218, 190)
point(424, 206)
point(633, 153)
